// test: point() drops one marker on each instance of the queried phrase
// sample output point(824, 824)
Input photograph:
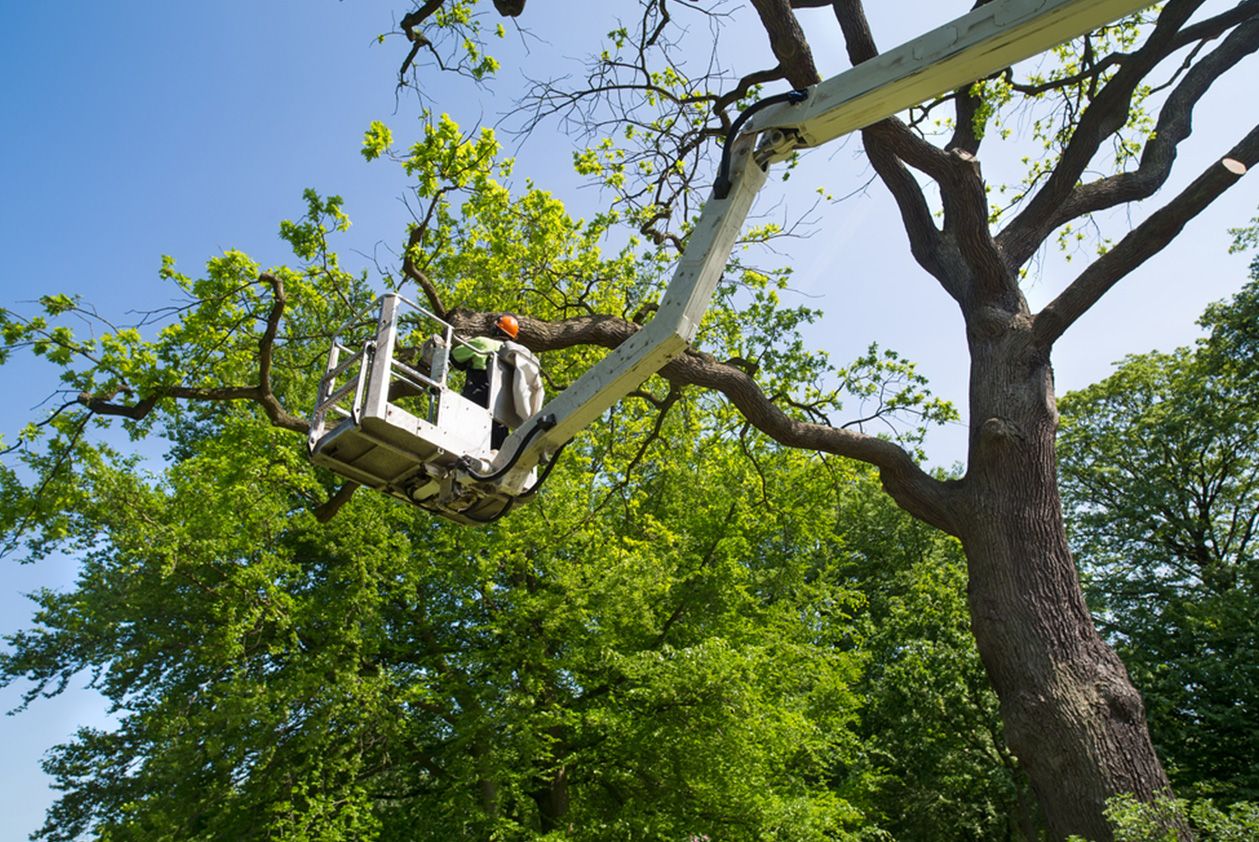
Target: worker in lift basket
point(526, 385)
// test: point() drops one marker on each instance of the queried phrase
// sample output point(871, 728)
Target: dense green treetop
point(669, 644)
point(1160, 466)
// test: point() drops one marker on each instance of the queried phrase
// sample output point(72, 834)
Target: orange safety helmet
point(508, 324)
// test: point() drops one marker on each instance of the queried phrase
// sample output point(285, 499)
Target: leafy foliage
point(674, 646)
point(1160, 468)
point(1135, 821)
point(933, 762)
point(385, 675)
point(668, 645)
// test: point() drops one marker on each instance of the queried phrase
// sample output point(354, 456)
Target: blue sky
point(135, 128)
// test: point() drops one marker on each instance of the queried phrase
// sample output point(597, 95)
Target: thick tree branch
point(417, 16)
point(965, 209)
point(327, 510)
point(509, 8)
point(858, 37)
point(965, 137)
point(924, 237)
point(914, 489)
point(1144, 241)
point(956, 171)
point(787, 40)
point(965, 202)
point(1175, 123)
point(909, 485)
point(279, 417)
point(920, 154)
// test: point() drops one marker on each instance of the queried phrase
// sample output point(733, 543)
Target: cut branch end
point(1234, 166)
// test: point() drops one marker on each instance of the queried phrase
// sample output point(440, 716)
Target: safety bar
point(375, 330)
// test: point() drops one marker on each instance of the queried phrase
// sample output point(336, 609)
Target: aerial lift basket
point(387, 415)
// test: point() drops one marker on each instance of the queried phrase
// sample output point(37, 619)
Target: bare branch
point(1198, 32)
point(1105, 115)
point(743, 86)
point(704, 563)
point(655, 434)
point(1144, 241)
point(22, 441)
point(418, 40)
point(1174, 126)
point(649, 90)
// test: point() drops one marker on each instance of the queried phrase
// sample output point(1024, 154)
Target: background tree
point(1160, 467)
point(933, 763)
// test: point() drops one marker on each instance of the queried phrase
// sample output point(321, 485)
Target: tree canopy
point(1160, 469)
point(675, 643)
point(671, 632)
point(677, 654)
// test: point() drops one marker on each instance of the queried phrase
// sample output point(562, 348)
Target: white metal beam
point(666, 336)
point(976, 45)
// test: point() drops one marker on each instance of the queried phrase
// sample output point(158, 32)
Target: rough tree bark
point(1071, 714)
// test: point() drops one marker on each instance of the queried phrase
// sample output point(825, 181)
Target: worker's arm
point(474, 352)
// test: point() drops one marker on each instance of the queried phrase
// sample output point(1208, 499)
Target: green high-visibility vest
point(476, 354)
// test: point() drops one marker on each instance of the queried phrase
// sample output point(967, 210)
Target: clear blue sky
point(136, 128)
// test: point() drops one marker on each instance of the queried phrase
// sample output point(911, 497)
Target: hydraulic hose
point(545, 423)
point(524, 496)
point(546, 472)
point(722, 184)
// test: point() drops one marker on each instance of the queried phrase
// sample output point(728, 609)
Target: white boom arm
point(975, 45)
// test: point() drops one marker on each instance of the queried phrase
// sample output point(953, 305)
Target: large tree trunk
point(1071, 713)
point(553, 800)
